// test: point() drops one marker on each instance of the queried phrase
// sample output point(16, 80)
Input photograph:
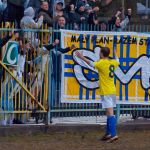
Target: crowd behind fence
point(32, 14)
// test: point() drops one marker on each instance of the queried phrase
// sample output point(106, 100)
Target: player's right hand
point(79, 54)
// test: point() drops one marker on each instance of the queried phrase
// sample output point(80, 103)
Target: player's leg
point(109, 102)
point(107, 134)
point(111, 125)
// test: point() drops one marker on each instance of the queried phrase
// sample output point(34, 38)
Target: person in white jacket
point(27, 22)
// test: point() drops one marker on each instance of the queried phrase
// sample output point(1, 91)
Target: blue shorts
point(108, 101)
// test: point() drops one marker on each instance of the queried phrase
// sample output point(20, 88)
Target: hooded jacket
point(27, 22)
point(54, 6)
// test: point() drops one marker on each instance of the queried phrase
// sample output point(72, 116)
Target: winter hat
point(59, 2)
point(80, 4)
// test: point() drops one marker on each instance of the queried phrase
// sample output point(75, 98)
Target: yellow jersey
point(106, 69)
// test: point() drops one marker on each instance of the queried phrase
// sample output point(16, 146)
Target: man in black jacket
point(44, 11)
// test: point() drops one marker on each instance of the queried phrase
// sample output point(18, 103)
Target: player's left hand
point(72, 46)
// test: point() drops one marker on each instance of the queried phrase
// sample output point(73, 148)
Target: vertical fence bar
point(117, 112)
point(50, 95)
point(50, 83)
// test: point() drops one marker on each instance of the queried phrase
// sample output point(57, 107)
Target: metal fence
point(47, 95)
point(58, 109)
point(23, 86)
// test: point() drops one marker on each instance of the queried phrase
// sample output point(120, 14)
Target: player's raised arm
point(80, 55)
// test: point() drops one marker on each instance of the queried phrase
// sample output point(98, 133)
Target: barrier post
point(117, 112)
point(49, 89)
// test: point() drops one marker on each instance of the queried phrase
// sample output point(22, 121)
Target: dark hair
point(42, 1)
point(62, 17)
point(105, 51)
point(60, 3)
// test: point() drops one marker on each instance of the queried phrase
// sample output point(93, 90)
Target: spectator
point(30, 55)
point(112, 21)
point(121, 25)
point(27, 22)
point(93, 4)
point(56, 56)
point(72, 16)
point(62, 1)
point(81, 1)
point(37, 75)
point(21, 59)
point(91, 9)
point(93, 19)
point(81, 14)
point(71, 12)
point(43, 11)
point(61, 22)
point(103, 25)
point(52, 4)
point(35, 4)
point(58, 10)
point(14, 11)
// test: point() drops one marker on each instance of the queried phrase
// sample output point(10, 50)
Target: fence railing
point(40, 80)
point(23, 84)
point(58, 109)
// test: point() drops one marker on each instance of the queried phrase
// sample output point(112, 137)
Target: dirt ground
point(71, 140)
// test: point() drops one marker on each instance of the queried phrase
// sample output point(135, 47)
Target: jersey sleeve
point(116, 63)
point(97, 64)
